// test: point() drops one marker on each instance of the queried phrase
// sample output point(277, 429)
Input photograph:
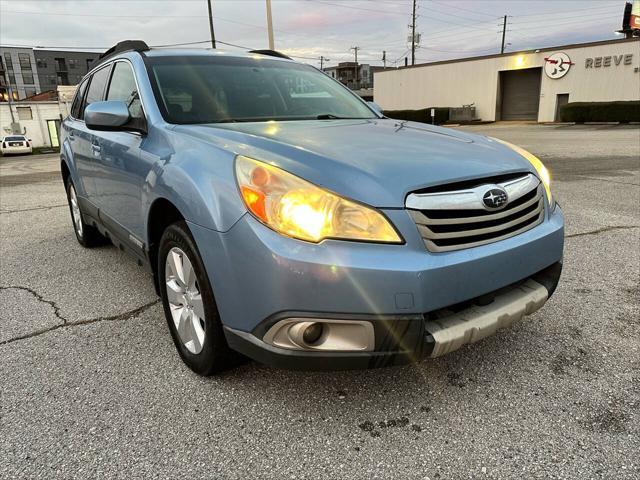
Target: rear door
point(71, 129)
point(86, 142)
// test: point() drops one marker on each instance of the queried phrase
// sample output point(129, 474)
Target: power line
point(464, 9)
point(133, 17)
point(359, 8)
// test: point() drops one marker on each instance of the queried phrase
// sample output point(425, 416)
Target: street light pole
point(413, 35)
point(213, 35)
point(270, 26)
point(355, 51)
point(504, 31)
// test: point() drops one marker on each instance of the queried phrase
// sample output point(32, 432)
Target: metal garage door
point(520, 94)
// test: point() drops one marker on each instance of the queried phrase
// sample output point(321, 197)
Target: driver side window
point(123, 88)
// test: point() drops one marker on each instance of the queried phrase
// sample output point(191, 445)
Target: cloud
point(310, 28)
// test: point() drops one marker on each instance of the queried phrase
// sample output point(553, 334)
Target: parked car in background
point(15, 144)
point(284, 218)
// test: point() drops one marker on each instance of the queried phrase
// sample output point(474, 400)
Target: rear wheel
point(189, 305)
point(87, 235)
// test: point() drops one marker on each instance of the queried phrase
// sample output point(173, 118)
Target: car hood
point(376, 161)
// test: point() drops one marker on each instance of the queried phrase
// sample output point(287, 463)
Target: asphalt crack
point(68, 323)
point(603, 230)
point(610, 181)
point(33, 208)
point(40, 298)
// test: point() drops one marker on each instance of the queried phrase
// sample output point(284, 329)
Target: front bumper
point(258, 274)
point(405, 339)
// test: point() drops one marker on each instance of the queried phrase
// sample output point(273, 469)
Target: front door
point(122, 171)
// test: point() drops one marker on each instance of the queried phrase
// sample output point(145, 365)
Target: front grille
point(457, 219)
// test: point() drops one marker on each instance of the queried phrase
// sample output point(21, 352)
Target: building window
point(27, 78)
point(89, 63)
point(24, 113)
point(61, 65)
point(8, 61)
point(25, 61)
point(62, 78)
point(12, 78)
point(41, 63)
point(73, 63)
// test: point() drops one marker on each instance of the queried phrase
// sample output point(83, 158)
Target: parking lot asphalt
point(91, 384)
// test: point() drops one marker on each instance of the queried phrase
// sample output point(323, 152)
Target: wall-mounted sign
point(557, 65)
point(608, 61)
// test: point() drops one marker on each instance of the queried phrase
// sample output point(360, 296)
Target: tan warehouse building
point(527, 85)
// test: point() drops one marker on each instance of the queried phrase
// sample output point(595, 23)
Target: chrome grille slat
point(462, 221)
point(422, 219)
point(427, 233)
point(471, 198)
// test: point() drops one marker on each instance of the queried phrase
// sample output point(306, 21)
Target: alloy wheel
point(75, 211)
point(185, 300)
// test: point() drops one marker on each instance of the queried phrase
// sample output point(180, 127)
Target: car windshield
point(214, 89)
point(14, 139)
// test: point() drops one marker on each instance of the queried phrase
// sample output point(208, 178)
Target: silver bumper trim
point(451, 332)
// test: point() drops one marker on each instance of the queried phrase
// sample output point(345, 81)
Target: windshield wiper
point(331, 116)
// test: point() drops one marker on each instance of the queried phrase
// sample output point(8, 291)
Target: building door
point(53, 126)
point(520, 94)
point(561, 99)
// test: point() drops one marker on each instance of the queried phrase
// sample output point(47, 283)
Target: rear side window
point(97, 86)
point(77, 101)
point(123, 88)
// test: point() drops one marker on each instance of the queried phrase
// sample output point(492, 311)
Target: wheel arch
point(162, 213)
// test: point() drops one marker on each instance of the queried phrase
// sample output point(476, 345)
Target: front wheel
point(189, 305)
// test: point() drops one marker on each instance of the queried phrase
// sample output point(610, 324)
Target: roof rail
point(125, 46)
point(271, 53)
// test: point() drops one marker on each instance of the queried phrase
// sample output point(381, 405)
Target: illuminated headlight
point(543, 172)
point(296, 208)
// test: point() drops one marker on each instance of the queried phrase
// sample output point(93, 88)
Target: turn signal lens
point(297, 208)
point(542, 171)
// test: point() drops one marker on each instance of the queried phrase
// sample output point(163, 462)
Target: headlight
point(542, 171)
point(294, 207)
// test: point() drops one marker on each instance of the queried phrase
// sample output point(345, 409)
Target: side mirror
point(376, 108)
point(109, 115)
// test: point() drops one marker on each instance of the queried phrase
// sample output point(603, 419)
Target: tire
point(87, 235)
point(189, 304)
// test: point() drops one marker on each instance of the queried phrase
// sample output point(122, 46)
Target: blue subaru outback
point(287, 220)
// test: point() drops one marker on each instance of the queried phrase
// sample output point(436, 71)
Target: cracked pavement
point(91, 384)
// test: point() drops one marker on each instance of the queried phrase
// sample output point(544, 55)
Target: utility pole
point(504, 31)
point(413, 34)
point(355, 51)
point(213, 35)
point(384, 59)
point(322, 60)
point(270, 26)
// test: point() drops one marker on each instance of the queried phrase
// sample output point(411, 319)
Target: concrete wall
point(452, 84)
point(36, 129)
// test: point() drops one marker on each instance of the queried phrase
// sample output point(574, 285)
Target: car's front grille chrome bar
point(457, 219)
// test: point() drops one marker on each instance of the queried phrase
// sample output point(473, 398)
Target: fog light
point(327, 334)
point(312, 333)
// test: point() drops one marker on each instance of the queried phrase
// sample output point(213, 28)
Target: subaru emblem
point(494, 198)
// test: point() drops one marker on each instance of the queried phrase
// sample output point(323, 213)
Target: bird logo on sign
point(557, 65)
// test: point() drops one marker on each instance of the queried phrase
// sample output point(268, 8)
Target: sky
point(308, 29)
